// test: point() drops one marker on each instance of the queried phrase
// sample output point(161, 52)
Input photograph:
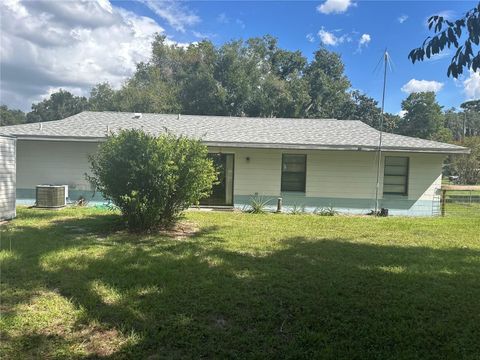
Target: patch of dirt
point(181, 230)
point(100, 342)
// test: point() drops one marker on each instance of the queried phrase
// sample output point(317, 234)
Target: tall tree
point(448, 33)
point(423, 116)
point(11, 116)
point(328, 85)
point(59, 105)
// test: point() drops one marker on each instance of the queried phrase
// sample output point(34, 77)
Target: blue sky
point(359, 31)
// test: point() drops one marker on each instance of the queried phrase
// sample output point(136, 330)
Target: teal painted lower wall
point(396, 205)
point(27, 196)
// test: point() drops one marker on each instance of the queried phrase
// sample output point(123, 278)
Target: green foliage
point(258, 205)
point(471, 106)
point(59, 105)
point(326, 211)
point(423, 117)
point(467, 166)
point(239, 78)
point(327, 85)
point(448, 33)
point(10, 116)
point(152, 179)
point(102, 98)
point(297, 209)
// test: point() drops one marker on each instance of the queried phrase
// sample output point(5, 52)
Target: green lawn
point(244, 286)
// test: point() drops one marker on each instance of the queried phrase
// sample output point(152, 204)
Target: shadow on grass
point(332, 297)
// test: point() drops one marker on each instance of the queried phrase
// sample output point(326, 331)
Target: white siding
point(335, 174)
point(7, 178)
point(330, 174)
point(53, 162)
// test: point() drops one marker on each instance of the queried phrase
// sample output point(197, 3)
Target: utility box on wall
point(8, 161)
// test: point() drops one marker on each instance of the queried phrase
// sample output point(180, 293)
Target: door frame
point(233, 182)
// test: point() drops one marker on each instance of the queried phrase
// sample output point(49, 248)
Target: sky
point(48, 45)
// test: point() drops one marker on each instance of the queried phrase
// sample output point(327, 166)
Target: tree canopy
point(423, 116)
point(10, 116)
point(59, 105)
point(253, 77)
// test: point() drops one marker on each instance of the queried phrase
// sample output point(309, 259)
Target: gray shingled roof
point(231, 131)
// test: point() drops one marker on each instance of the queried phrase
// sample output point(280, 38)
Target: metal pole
point(379, 151)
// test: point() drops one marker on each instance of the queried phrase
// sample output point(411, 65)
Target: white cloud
point(471, 86)
point(329, 38)
point(415, 85)
point(402, 113)
point(363, 42)
point(174, 12)
point(364, 39)
point(44, 47)
point(223, 18)
point(310, 37)
point(402, 18)
point(334, 6)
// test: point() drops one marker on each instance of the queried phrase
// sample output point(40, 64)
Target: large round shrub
point(151, 179)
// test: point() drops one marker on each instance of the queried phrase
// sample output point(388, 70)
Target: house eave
point(253, 145)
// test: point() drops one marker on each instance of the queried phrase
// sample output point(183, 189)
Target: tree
point(467, 166)
point(151, 179)
point(328, 85)
point(472, 105)
point(362, 107)
point(448, 33)
point(423, 117)
point(102, 98)
point(59, 105)
point(10, 116)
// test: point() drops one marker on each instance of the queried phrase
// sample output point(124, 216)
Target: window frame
point(407, 176)
point(294, 172)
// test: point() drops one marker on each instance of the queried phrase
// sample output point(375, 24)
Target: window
point(395, 176)
point(294, 172)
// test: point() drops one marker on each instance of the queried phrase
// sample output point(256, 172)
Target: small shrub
point(297, 209)
point(151, 179)
point(328, 211)
point(258, 205)
point(81, 202)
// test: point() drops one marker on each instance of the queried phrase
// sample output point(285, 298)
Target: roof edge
point(346, 147)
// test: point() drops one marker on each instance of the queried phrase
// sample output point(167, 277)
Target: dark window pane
point(395, 179)
point(293, 172)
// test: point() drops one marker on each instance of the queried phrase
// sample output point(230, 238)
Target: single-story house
point(311, 163)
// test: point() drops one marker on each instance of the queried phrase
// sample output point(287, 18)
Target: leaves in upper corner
point(449, 33)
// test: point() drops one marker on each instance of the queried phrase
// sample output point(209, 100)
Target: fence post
point(444, 199)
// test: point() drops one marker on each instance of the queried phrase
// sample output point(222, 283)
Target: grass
point(244, 286)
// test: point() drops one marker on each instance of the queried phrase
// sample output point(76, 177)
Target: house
point(308, 162)
point(7, 177)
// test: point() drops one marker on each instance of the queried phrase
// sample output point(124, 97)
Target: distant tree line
point(253, 78)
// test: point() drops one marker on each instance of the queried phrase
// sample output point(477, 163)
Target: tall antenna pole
point(379, 150)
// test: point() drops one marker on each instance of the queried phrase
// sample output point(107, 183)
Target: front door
point(222, 193)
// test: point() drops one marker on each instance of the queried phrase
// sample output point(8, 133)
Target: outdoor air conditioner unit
point(51, 196)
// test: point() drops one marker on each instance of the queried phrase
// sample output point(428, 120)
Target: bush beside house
point(151, 179)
